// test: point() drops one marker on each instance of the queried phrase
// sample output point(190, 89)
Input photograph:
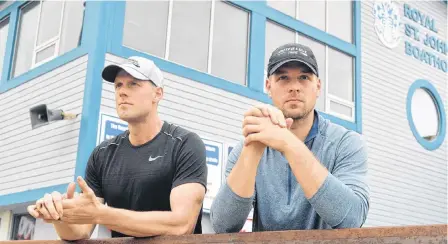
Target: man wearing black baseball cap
point(152, 177)
point(296, 169)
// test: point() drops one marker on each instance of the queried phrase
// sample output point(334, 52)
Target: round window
point(426, 114)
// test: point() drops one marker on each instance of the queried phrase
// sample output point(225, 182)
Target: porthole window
point(426, 114)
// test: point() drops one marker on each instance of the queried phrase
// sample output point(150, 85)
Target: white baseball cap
point(138, 67)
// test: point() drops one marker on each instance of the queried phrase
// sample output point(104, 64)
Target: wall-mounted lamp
point(40, 115)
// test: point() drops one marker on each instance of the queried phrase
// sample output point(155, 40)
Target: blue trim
point(117, 26)
point(195, 75)
point(254, 90)
point(42, 69)
point(34, 194)
point(303, 28)
point(424, 84)
point(256, 52)
point(358, 82)
point(9, 49)
point(30, 195)
point(13, 12)
point(11, 8)
point(96, 15)
point(347, 124)
point(5, 82)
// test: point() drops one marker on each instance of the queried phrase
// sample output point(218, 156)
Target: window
point(276, 35)
point(210, 36)
point(340, 84)
point(286, 6)
point(145, 26)
point(426, 114)
point(4, 26)
point(334, 17)
point(46, 30)
point(23, 227)
point(319, 52)
point(230, 43)
point(190, 31)
point(313, 13)
point(340, 19)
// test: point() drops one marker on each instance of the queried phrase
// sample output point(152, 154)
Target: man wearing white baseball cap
point(152, 177)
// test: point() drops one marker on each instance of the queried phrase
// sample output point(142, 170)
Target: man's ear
point(319, 84)
point(158, 94)
point(268, 86)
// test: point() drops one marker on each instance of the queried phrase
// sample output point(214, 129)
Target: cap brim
point(111, 71)
point(278, 65)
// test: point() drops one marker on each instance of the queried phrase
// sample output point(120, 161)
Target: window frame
point(56, 41)
point(166, 56)
point(8, 82)
point(5, 18)
point(352, 49)
point(438, 102)
point(259, 13)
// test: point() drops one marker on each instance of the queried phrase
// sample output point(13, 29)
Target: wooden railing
point(431, 234)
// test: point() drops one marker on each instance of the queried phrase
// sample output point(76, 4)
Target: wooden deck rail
point(431, 234)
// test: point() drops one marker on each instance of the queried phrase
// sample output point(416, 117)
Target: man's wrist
point(292, 147)
point(99, 217)
point(257, 147)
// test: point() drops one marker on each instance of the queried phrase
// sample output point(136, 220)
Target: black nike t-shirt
point(140, 178)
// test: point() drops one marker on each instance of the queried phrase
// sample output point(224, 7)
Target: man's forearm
point(143, 224)
point(241, 179)
point(337, 204)
point(234, 200)
point(309, 172)
point(72, 232)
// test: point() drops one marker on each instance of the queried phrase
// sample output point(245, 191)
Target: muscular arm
point(71, 232)
point(186, 201)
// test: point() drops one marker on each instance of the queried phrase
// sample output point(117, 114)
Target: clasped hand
point(267, 125)
point(69, 207)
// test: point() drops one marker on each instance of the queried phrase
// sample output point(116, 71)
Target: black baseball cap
point(292, 52)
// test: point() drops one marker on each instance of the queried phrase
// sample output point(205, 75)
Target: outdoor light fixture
point(40, 115)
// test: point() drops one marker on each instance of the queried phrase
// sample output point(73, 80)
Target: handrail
point(407, 234)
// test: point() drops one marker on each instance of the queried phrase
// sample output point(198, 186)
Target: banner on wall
point(213, 153)
point(110, 126)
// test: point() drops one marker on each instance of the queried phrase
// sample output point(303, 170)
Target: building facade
point(382, 64)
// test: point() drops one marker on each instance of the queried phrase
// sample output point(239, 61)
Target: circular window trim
point(426, 85)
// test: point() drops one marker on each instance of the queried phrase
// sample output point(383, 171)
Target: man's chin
point(296, 115)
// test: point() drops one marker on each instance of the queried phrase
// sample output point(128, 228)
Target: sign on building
point(110, 126)
point(213, 152)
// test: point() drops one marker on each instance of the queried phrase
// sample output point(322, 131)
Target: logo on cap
point(134, 62)
point(292, 50)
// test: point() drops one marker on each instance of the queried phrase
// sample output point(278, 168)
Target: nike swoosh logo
point(152, 159)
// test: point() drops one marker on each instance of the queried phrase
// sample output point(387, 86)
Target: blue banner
point(212, 154)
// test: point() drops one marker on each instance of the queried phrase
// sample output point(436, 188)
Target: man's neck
point(144, 131)
point(301, 128)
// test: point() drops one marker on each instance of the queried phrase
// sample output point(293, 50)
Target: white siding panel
point(208, 111)
point(408, 182)
point(45, 156)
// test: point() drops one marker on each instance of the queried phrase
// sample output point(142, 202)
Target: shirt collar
point(314, 128)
